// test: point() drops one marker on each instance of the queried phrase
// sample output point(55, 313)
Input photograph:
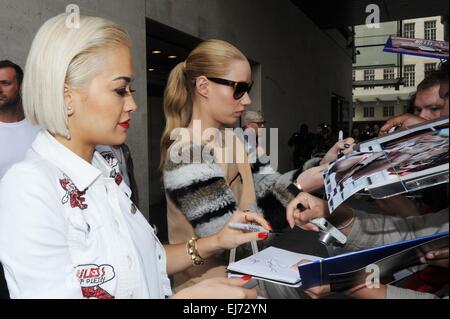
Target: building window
point(354, 112)
point(409, 30)
point(369, 75)
point(388, 110)
point(353, 76)
point(429, 67)
point(409, 75)
point(430, 30)
point(369, 111)
point(388, 74)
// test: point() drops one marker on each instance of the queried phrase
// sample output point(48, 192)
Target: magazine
point(342, 271)
point(418, 47)
point(400, 162)
point(272, 264)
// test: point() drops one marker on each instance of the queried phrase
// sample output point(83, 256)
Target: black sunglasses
point(240, 88)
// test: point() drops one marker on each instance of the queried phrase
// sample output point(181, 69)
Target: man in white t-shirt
point(16, 133)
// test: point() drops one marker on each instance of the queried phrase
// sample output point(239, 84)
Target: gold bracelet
point(192, 251)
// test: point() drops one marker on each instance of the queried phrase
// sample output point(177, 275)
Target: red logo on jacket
point(72, 194)
point(91, 278)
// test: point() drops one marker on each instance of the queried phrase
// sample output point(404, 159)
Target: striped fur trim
point(199, 190)
point(264, 183)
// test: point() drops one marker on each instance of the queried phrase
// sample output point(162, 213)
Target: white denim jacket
point(67, 230)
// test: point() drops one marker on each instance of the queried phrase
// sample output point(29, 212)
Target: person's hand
point(217, 288)
point(229, 238)
point(403, 121)
point(437, 258)
point(314, 208)
point(341, 147)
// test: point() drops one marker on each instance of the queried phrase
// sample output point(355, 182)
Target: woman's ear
point(202, 85)
point(68, 100)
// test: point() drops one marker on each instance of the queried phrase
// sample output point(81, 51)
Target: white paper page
point(273, 263)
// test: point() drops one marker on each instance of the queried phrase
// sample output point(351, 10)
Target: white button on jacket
point(58, 230)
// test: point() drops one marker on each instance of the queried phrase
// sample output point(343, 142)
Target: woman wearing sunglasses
point(68, 228)
point(207, 92)
point(210, 88)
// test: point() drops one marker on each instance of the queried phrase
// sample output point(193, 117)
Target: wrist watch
point(294, 188)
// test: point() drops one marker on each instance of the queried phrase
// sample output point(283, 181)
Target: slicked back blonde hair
point(61, 55)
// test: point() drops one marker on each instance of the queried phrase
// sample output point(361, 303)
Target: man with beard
point(16, 133)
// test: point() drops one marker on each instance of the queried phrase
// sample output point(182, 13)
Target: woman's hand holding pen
point(225, 239)
point(229, 237)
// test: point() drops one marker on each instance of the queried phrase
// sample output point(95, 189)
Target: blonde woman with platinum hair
point(68, 228)
point(63, 56)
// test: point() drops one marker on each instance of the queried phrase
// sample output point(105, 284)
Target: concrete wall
point(301, 65)
point(19, 21)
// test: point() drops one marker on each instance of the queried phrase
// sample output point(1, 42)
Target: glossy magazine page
point(397, 163)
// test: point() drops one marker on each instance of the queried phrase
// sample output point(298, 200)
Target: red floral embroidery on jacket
point(96, 292)
point(73, 195)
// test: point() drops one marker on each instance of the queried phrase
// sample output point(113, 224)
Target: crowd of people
point(307, 144)
point(70, 224)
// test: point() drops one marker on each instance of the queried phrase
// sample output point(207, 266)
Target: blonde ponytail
point(177, 106)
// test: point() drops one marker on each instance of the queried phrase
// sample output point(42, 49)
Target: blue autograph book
point(347, 270)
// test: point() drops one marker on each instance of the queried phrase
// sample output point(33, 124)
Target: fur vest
point(199, 189)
